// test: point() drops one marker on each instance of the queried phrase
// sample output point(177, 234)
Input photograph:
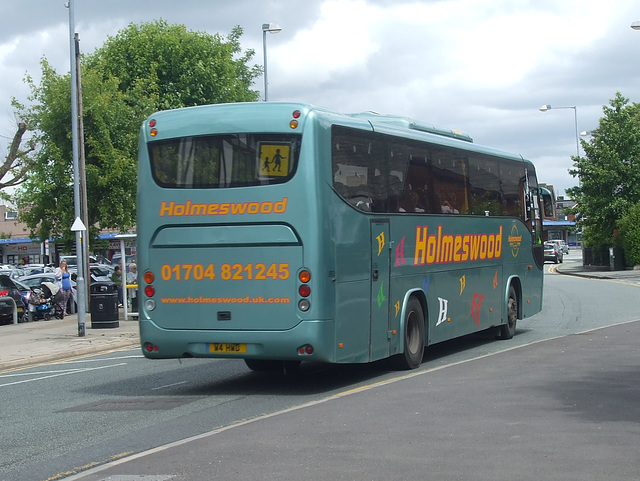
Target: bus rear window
point(220, 161)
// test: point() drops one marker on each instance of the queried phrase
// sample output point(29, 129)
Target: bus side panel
point(531, 285)
point(464, 294)
point(352, 321)
point(349, 230)
point(463, 301)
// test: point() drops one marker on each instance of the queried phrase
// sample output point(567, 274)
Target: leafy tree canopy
point(177, 67)
point(629, 238)
point(144, 68)
point(609, 173)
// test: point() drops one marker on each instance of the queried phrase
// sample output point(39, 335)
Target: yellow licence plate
point(227, 347)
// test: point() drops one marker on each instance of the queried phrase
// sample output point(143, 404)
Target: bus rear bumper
point(307, 341)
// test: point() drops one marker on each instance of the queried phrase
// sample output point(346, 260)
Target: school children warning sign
point(274, 160)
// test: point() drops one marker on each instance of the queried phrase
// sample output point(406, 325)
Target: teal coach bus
point(282, 232)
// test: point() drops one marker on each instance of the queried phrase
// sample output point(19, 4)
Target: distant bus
point(280, 232)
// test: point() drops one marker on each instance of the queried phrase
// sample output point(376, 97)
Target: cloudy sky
point(484, 67)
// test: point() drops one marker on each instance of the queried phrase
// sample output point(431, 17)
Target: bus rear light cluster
point(304, 290)
point(150, 347)
point(153, 132)
point(307, 350)
point(294, 122)
point(149, 291)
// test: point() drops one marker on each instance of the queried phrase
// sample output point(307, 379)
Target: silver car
point(562, 245)
point(552, 252)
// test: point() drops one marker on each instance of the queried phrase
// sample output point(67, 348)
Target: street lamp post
point(75, 143)
point(546, 107)
point(271, 28)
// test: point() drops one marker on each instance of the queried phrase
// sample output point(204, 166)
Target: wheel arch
point(422, 299)
point(517, 285)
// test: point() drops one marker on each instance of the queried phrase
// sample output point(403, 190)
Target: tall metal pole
point(548, 107)
point(264, 54)
point(271, 28)
point(76, 178)
point(81, 168)
point(575, 117)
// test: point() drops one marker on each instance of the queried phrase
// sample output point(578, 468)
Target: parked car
point(101, 272)
point(9, 289)
point(564, 248)
point(552, 252)
point(73, 260)
point(30, 269)
point(98, 272)
point(13, 272)
point(35, 280)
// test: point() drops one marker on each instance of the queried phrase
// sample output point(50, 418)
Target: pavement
point(42, 341)
point(573, 266)
point(30, 343)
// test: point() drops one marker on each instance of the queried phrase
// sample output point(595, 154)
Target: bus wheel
point(508, 330)
point(262, 365)
point(413, 341)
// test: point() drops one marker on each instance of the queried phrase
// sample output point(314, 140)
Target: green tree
point(144, 68)
point(629, 237)
point(177, 67)
point(45, 200)
point(609, 173)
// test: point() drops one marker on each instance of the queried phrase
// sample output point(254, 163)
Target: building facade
point(17, 248)
point(562, 225)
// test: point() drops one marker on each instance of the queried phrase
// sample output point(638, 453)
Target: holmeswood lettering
point(442, 248)
point(171, 209)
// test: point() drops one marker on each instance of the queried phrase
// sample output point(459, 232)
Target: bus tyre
point(413, 340)
point(508, 330)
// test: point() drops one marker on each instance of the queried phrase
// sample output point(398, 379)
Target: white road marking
point(51, 374)
point(168, 385)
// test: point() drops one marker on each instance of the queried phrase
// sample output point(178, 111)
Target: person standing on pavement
point(116, 277)
point(65, 286)
point(132, 278)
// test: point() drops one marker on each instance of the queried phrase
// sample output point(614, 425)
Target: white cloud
point(483, 67)
point(340, 41)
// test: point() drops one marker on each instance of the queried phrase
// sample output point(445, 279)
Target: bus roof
point(242, 117)
point(411, 124)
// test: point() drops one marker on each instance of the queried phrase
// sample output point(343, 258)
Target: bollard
point(15, 307)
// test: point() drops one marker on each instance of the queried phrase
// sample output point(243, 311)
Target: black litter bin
point(104, 305)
